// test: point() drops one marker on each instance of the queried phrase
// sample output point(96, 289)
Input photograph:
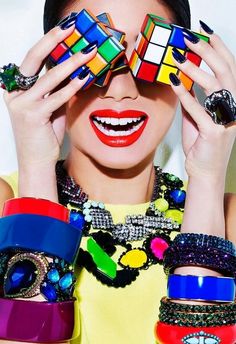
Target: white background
point(21, 27)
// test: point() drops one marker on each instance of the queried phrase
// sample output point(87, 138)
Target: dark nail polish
point(178, 56)
point(84, 73)
point(206, 28)
point(89, 47)
point(190, 36)
point(68, 21)
point(174, 79)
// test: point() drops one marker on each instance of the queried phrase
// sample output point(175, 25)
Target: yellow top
point(107, 315)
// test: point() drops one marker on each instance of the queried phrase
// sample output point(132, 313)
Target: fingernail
point(174, 79)
point(67, 22)
point(84, 73)
point(206, 28)
point(190, 36)
point(178, 56)
point(89, 47)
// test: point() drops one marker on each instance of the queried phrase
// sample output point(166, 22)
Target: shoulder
point(6, 192)
point(230, 216)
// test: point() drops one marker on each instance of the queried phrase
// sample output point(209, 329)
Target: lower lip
point(119, 141)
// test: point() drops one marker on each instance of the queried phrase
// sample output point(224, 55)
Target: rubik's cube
point(152, 59)
point(89, 28)
point(122, 62)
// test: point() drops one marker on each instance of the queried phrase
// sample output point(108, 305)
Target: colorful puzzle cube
point(152, 59)
point(122, 62)
point(88, 28)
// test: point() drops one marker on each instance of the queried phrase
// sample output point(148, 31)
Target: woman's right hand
point(37, 117)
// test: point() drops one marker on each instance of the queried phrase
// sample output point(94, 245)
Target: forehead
point(127, 15)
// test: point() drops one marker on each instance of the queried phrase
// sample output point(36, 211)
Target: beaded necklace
point(150, 232)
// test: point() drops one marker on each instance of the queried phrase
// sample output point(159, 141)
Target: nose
point(121, 86)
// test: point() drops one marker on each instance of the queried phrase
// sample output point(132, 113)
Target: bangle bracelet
point(168, 305)
point(167, 334)
point(30, 205)
point(210, 258)
point(32, 321)
point(40, 234)
point(201, 288)
point(193, 240)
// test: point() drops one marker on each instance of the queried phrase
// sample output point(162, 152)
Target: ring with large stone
point(28, 274)
point(221, 106)
point(11, 78)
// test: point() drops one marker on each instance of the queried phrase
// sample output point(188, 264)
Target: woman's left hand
point(207, 145)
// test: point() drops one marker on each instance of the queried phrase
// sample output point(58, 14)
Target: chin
point(118, 160)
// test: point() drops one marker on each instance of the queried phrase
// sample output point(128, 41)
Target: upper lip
point(118, 114)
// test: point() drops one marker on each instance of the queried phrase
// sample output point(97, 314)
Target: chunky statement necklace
point(142, 239)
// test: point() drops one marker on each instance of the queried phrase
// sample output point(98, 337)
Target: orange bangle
point(36, 206)
point(166, 334)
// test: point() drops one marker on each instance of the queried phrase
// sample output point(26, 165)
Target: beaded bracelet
point(205, 241)
point(41, 234)
point(187, 315)
point(209, 258)
point(201, 288)
point(166, 334)
point(37, 206)
point(31, 321)
point(169, 305)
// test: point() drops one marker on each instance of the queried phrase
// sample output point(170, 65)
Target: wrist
point(38, 180)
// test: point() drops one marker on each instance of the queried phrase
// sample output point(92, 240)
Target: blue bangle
point(41, 234)
point(201, 288)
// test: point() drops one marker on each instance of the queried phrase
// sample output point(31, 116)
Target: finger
point(220, 47)
point(57, 99)
point(33, 61)
point(195, 110)
point(49, 81)
point(217, 64)
point(208, 82)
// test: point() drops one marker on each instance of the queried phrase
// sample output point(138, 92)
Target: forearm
point(204, 213)
point(204, 207)
point(38, 181)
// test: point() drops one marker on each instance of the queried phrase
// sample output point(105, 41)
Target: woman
point(122, 175)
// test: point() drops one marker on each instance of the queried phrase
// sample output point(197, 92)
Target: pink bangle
point(36, 206)
point(32, 321)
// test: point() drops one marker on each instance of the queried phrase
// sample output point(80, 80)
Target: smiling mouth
point(118, 129)
point(118, 126)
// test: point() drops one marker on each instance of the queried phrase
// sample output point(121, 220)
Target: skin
point(125, 175)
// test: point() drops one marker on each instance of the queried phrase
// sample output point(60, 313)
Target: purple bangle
point(31, 321)
point(210, 258)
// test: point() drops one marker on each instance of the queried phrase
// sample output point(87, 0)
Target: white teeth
point(123, 121)
point(117, 121)
point(117, 133)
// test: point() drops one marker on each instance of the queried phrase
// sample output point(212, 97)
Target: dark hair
point(53, 10)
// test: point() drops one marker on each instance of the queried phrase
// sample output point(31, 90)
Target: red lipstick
point(118, 129)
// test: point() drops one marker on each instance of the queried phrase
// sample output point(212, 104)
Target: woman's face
point(142, 113)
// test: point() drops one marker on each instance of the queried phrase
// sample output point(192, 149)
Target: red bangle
point(166, 334)
point(36, 206)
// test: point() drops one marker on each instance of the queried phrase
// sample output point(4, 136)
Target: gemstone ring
point(11, 79)
point(221, 106)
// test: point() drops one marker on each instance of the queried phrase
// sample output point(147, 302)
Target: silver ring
point(12, 79)
point(221, 106)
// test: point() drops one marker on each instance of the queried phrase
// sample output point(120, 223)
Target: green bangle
point(168, 305)
point(198, 320)
point(179, 314)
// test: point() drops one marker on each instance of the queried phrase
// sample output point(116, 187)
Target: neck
point(112, 186)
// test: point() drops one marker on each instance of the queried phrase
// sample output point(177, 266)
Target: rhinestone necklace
point(151, 231)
